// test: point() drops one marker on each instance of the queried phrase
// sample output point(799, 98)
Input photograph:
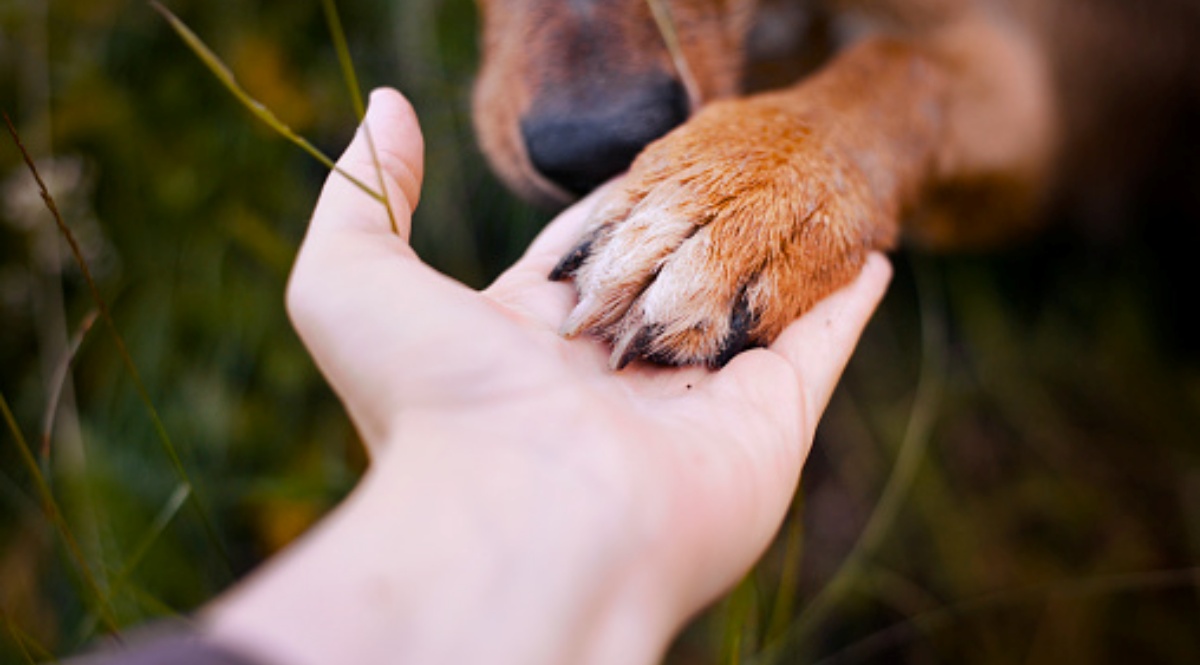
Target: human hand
point(621, 501)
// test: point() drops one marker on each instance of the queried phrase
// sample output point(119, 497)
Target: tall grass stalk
point(101, 598)
point(355, 92)
point(740, 627)
point(783, 607)
point(163, 519)
point(908, 461)
point(54, 513)
point(119, 342)
point(1089, 587)
point(32, 651)
point(666, 26)
point(58, 380)
point(260, 111)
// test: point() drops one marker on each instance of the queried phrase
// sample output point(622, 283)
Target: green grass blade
point(119, 342)
point(31, 650)
point(54, 513)
point(165, 516)
point(338, 34)
point(912, 450)
point(785, 594)
point(225, 76)
point(59, 380)
point(869, 648)
point(740, 625)
point(666, 27)
point(156, 606)
point(356, 98)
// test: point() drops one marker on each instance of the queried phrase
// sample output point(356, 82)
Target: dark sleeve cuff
point(156, 646)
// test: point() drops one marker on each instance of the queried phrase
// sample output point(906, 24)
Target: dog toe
point(717, 240)
point(663, 291)
point(571, 261)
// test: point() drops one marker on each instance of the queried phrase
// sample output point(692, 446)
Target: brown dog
point(950, 120)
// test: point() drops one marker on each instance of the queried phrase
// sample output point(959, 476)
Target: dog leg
point(739, 221)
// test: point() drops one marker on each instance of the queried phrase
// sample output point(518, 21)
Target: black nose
point(585, 144)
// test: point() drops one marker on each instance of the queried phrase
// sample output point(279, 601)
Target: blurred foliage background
point(1016, 438)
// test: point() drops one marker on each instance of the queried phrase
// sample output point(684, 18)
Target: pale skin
point(524, 503)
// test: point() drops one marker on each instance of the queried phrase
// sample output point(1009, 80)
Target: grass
point(1009, 472)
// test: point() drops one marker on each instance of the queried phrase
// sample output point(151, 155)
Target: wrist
point(534, 533)
point(452, 553)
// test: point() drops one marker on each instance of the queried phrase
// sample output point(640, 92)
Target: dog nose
point(581, 147)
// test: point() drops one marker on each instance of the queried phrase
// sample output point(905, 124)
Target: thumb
point(386, 156)
point(359, 298)
point(351, 230)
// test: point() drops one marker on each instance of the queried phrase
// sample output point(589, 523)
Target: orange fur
point(939, 120)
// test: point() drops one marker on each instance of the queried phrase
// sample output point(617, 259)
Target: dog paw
point(722, 233)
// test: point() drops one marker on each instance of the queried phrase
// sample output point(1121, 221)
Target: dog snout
point(579, 146)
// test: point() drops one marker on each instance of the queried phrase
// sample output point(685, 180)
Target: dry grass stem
point(666, 26)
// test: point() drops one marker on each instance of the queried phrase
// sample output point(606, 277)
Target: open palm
point(694, 468)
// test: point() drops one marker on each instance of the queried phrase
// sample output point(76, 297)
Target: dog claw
point(570, 263)
point(633, 344)
point(741, 322)
point(583, 317)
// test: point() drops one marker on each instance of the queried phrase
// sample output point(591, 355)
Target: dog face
point(570, 91)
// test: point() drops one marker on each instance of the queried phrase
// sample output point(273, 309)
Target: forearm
point(445, 554)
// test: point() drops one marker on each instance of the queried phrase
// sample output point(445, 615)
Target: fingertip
point(392, 126)
point(384, 93)
point(876, 273)
point(384, 163)
point(391, 108)
point(390, 102)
